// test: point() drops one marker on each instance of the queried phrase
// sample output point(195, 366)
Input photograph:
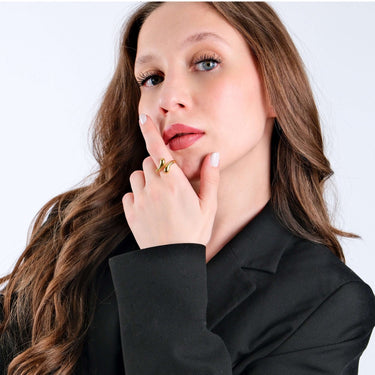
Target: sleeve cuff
point(161, 282)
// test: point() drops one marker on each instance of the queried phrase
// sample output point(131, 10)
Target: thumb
point(209, 180)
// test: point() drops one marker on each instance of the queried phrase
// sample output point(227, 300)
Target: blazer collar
point(259, 246)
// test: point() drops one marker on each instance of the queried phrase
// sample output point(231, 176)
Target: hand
point(163, 208)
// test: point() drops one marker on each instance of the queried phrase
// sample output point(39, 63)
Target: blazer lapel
point(232, 273)
point(227, 285)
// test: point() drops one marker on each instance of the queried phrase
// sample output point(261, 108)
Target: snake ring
point(165, 166)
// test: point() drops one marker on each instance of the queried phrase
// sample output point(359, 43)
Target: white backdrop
point(57, 58)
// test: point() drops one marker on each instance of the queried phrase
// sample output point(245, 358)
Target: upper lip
point(178, 129)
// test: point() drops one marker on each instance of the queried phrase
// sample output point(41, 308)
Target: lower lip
point(184, 141)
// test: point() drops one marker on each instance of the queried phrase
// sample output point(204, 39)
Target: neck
point(244, 190)
point(241, 198)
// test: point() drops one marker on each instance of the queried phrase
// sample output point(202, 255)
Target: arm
point(330, 341)
point(162, 298)
point(162, 301)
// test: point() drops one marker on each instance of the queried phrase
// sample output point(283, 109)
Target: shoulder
point(337, 304)
point(322, 314)
point(315, 265)
point(309, 275)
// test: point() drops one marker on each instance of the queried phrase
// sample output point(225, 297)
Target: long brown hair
point(49, 299)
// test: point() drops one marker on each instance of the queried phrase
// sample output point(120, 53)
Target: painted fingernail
point(142, 118)
point(214, 159)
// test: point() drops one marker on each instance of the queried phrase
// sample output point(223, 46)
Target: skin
point(224, 98)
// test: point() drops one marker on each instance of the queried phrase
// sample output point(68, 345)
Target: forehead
point(170, 25)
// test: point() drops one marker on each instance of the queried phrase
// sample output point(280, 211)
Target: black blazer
point(269, 303)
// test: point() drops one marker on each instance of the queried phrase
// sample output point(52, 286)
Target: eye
point(207, 62)
point(204, 63)
point(149, 79)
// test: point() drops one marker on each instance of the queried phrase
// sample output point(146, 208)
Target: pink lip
point(184, 141)
point(182, 129)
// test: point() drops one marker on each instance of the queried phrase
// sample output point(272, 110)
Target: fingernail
point(214, 159)
point(142, 118)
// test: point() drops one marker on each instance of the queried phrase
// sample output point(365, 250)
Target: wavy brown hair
point(49, 298)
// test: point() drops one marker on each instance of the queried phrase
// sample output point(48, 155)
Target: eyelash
point(144, 77)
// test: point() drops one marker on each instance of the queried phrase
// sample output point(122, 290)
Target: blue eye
point(207, 64)
point(203, 63)
point(151, 78)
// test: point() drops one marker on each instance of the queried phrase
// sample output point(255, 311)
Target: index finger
point(154, 141)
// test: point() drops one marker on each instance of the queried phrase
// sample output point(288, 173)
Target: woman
point(204, 244)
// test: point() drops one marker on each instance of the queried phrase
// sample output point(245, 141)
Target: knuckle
point(213, 179)
point(127, 202)
point(147, 162)
point(127, 199)
point(135, 175)
point(132, 175)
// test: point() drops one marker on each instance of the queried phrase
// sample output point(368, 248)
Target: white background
point(56, 60)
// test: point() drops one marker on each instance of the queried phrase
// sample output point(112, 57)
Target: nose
point(174, 95)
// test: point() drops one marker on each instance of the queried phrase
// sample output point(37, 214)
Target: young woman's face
point(195, 69)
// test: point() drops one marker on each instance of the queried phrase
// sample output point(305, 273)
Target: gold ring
point(164, 166)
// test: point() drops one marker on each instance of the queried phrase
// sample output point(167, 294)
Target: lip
point(184, 141)
point(180, 129)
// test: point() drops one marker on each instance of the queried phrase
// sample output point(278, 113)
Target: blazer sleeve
point(330, 341)
point(162, 300)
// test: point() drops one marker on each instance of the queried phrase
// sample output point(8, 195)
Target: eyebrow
point(189, 40)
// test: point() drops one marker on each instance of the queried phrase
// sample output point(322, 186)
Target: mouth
point(177, 131)
point(179, 135)
point(182, 141)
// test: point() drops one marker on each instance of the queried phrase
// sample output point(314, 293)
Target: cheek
point(238, 112)
point(223, 99)
point(234, 100)
point(147, 103)
point(142, 107)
